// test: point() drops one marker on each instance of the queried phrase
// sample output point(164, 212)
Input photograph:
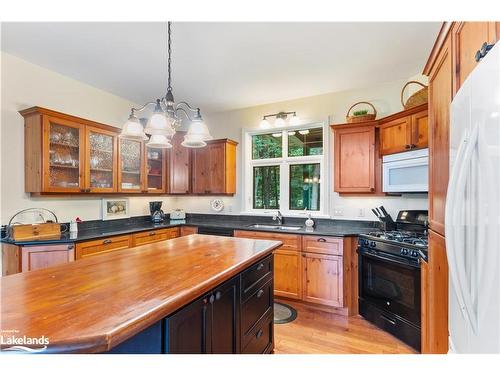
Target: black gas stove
point(389, 275)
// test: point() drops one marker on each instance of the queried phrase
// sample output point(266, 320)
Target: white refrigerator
point(473, 211)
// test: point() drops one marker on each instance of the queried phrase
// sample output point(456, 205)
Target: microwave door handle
point(450, 231)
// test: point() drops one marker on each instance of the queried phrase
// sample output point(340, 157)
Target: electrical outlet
point(230, 208)
point(338, 211)
point(361, 212)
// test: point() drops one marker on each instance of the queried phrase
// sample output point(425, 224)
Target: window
point(284, 169)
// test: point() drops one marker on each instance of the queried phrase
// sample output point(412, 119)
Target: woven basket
point(416, 99)
point(362, 118)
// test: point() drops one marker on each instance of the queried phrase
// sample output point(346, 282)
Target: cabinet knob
point(259, 333)
point(413, 145)
point(485, 48)
point(105, 242)
point(152, 233)
point(211, 299)
point(321, 240)
point(82, 190)
point(407, 147)
point(218, 295)
point(260, 293)
point(260, 266)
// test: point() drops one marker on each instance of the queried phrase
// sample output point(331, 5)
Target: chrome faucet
point(278, 216)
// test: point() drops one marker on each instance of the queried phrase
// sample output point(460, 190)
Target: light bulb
point(133, 129)
point(264, 124)
point(295, 120)
point(279, 123)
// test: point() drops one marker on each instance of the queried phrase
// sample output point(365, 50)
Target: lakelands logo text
point(9, 341)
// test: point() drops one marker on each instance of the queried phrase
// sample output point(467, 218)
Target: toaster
point(177, 214)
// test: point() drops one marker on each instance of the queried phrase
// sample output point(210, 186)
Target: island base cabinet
point(208, 325)
point(148, 341)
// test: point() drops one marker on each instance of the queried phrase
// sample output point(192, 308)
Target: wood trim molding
point(438, 44)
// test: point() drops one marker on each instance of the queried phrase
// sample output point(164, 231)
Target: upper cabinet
point(179, 164)
point(131, 166)
point(66, 154)
point(354, 158)
point(467, 38)
point(101, 154)
point(404, 131)
point(214, 168)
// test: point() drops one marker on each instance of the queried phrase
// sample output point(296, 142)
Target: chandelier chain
point(169, 32)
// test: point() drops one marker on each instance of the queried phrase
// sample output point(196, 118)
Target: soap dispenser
point(309, 222)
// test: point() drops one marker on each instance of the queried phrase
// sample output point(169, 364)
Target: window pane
point(266, 146)
point(305, 186)
point(266, 187)
point(305, 142)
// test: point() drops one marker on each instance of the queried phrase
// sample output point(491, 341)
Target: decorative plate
point(216, 205)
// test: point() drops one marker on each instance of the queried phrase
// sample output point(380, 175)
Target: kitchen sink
point(280, 227)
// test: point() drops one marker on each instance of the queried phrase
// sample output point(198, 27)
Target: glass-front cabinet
point(64, 155)
point(131, 166)
point(101, 160)
point(156, 181)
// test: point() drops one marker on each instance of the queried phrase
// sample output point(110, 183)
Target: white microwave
point(406, 172)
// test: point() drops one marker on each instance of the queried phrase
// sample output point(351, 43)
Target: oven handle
point(388, 259)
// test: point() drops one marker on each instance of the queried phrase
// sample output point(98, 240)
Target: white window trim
point(284, 163)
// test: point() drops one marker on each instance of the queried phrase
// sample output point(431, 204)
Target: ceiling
point(223, 66)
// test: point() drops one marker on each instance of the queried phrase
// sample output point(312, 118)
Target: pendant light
point(164, 120)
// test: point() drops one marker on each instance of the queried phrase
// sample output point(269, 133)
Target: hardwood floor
point(319, 332)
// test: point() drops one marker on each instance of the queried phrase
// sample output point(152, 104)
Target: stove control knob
point(404, 251)
point(414, 253)
point(373, 244)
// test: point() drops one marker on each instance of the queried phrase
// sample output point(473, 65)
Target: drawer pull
point(321, 240)
point(393, 322)
point(260, 266)
point(259, 333)
point(105, 242)
point(260, 293)
point(218, 295)
point(152, 233)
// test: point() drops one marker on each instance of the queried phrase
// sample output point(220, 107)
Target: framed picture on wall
point(115, 208)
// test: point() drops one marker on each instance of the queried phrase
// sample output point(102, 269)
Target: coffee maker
point(157, 215)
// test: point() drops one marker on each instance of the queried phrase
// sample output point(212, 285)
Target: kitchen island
point(197, 293)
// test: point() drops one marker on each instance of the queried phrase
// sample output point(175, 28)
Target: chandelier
point(166, 118)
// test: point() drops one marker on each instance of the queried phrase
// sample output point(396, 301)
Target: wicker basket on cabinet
point(417, 98)
point(361, 118)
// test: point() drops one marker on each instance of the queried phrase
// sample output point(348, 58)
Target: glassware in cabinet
point(155, 170)
point(101, 160)
point(64, 159)
point(131, 169)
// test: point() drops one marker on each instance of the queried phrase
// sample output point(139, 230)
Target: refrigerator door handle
point(456, 256)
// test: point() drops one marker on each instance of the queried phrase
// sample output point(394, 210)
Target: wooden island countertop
point(96, 303)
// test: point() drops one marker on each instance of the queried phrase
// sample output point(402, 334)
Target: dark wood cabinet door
point(419, 130)
point(395, 136)
point(179, 166)
point(201, 170)
point(225, 318)
point(440, 95)
point(188, 331)
point(355, 160)
point(217, 168)
point(467, 39)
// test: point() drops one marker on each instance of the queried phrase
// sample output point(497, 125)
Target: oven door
point(391, 284)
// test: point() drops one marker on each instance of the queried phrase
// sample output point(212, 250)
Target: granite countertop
point(99, 229)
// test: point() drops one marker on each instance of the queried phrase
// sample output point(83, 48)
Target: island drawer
point(101, 246)
point(260, 339)
point(322, 245)
point(253, 278)
point(260, 303)
point(290, 241)
point(154, 235)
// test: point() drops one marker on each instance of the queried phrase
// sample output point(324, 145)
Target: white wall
point(25, 85)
